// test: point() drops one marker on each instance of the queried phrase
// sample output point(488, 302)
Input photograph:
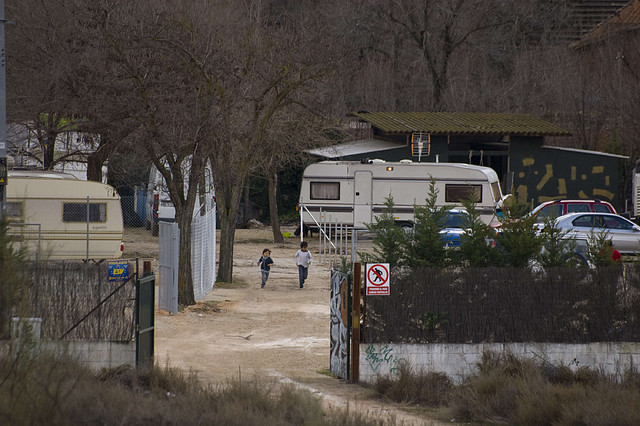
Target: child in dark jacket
point(265, 263)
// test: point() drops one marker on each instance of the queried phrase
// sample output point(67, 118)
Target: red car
point(557, 208)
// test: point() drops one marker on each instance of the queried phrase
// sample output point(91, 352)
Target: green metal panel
point(145, 309)
point(545, 173)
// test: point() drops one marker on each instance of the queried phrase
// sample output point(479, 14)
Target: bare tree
point(272, 65)
point(164, 69)
point(45, 81)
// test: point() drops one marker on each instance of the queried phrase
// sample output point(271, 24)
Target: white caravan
point(56, 216)
point(354, 193)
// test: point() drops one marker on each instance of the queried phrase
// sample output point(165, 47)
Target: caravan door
point(362, 198)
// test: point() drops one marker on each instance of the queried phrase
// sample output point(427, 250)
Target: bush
point(515, 391)
point(432, 389)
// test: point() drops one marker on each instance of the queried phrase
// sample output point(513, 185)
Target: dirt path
point(280, 332)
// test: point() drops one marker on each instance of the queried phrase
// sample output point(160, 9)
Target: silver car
point(624, 234)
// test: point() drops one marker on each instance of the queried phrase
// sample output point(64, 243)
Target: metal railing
point(335, 239)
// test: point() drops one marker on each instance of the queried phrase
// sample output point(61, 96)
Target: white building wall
point(459, 361)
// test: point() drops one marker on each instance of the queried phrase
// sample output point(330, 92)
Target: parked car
point(557, 208)
point(454, 227)
point(624, 234)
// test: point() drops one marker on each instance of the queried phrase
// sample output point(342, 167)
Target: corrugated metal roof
point(353, 148)
point(453, 123)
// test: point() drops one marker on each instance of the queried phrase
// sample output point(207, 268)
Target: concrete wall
point(460, 360)
point(96, 355)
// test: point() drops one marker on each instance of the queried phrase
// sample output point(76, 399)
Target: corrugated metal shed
point(354, 148)
point(452, 123)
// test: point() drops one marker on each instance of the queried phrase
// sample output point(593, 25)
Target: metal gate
point(145, 307)
point(340, 324)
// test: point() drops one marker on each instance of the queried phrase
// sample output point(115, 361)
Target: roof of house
point(625, 19)
point(354, 148)
point(453, 123)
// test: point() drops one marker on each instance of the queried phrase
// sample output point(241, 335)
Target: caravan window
point(77, 212)
point(458, 193)
point(325, 190)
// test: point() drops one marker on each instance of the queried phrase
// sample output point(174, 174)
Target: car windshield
point(456, 220)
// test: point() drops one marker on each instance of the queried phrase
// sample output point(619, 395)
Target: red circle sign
point(378, 275)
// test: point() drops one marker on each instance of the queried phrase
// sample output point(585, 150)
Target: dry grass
point(509, 390)
point(45, 390)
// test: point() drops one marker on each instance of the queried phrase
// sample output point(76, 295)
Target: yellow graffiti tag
point(522, 194)
point(603, 193)
point(562, 187)
point(548, 175)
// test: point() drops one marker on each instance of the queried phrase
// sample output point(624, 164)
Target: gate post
point(145, 318)
point(355, 323)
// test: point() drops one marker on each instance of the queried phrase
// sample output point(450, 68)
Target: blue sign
point(118, 270)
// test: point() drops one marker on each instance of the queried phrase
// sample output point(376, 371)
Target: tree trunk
point(273, 208)
point(228, 200)
point(186, 295)
point(48, 154)
point(246, 208)
point(95, 162)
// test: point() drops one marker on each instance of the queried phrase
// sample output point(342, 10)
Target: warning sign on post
point(377, 277)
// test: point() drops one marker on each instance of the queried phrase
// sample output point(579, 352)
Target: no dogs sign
point(377, 277)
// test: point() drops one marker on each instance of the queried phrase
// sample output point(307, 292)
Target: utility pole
point(3, 115)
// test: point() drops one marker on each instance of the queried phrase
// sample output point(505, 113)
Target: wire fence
point(474, 305)
point(63, 293)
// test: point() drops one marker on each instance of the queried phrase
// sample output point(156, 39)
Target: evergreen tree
point(425, 246)
point(476, 249)
point(388, 239)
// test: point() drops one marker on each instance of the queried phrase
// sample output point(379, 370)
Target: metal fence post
point(87, 257)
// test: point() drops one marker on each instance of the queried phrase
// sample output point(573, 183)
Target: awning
point(354, 148)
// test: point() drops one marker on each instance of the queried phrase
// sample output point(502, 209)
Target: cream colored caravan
point(56, 216)
point(354, 193)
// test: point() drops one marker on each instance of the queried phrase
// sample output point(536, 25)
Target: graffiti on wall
point(339, 359)
point(542, 181)
point(384, 356)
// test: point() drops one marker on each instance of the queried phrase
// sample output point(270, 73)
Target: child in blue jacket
point(265, 263)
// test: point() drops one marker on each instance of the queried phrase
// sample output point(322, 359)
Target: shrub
point(521, 391)
point(430, 389)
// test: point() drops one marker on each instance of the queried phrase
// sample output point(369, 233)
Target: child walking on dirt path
point(265, 263)
point(303, 260)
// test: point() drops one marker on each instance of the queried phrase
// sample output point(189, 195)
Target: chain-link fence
point(473, 305)
point(133, 209)
point(203, 252)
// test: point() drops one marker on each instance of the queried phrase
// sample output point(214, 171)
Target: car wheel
point(155, 229)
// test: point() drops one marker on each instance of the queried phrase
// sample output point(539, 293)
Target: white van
point(56, 216)
point(353, 193)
